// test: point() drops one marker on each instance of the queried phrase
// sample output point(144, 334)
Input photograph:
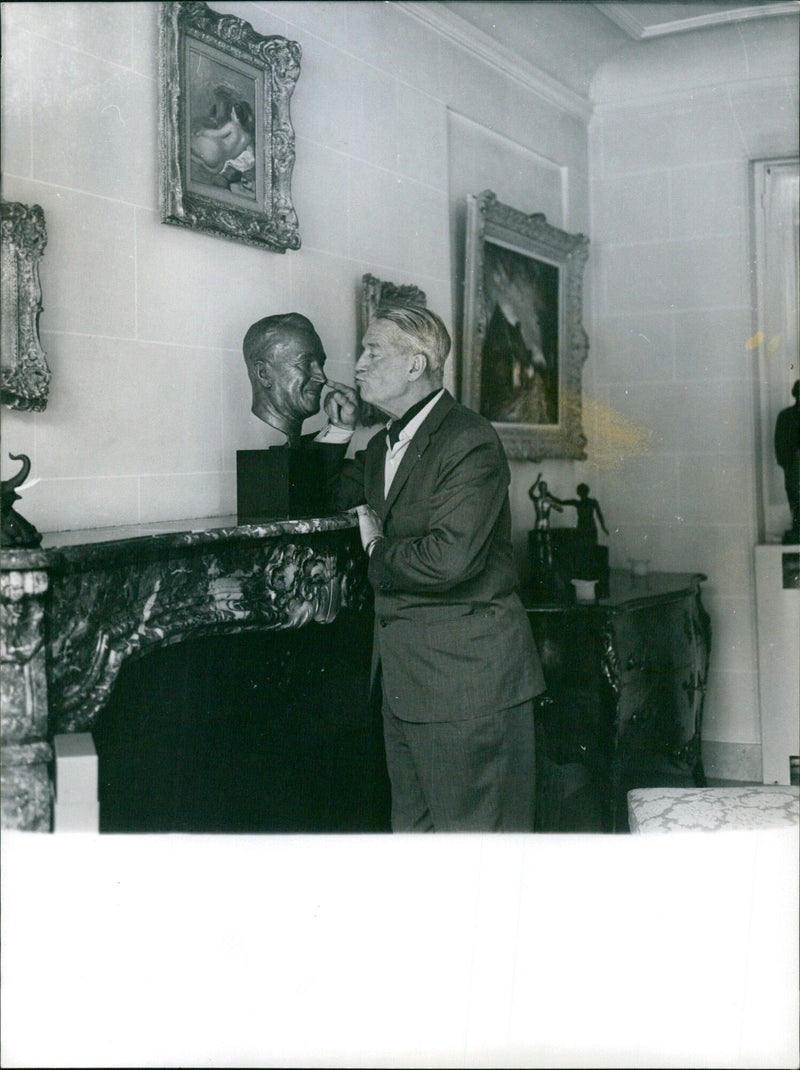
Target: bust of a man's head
point(285, 361)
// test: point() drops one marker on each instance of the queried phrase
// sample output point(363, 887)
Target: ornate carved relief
point(25, 786)
point(25, 374)
point(109, 601)
point(101, 616)
point(23, 686)
point(24, 756)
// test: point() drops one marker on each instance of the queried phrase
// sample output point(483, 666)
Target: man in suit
point(452, 644)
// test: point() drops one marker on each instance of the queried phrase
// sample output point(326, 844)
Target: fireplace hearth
point(257, 732)
point(223, 670)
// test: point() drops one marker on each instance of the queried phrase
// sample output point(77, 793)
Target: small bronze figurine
point(285, 361)
point(16, 530)
point(587, 509)
point(543, 503)
point(787, 454)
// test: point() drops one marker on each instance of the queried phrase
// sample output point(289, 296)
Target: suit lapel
point(374, 472)
point(416, 448)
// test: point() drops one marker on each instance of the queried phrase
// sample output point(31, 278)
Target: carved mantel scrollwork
point(26, 792)
point(70, 622)
point(103, 616)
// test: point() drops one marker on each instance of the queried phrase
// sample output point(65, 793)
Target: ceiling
point(571, 40)
point(641, 21)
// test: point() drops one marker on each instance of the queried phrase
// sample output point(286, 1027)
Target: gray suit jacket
point(451, 635)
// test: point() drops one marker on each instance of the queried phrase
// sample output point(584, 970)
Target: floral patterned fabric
point(709, 809)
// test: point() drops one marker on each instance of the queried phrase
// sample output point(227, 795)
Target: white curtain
point(779, 258)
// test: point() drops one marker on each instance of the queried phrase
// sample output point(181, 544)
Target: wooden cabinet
point(626, 678)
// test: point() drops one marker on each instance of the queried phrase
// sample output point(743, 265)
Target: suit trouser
point(476, 775)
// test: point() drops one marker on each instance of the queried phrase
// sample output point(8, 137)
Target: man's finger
point(348, 391)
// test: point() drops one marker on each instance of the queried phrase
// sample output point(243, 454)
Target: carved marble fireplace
point(85, 603)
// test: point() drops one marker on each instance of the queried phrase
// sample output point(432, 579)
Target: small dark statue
point(560, 555)
point(787, 454)
point(543, 503)
point(588, 508)
point(16, 530)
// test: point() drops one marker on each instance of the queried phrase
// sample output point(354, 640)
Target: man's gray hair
point(425, 330)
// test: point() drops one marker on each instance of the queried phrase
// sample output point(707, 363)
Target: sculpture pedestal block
point(280, 483)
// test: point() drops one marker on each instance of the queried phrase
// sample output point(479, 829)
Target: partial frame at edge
point(24, 371)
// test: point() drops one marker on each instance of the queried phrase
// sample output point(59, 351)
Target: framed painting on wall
point(524, 343)
point(23, 364)
point(376, 292)
point(227, 144)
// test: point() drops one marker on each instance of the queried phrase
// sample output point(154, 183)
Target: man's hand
point(342, 405)
point(370, 526)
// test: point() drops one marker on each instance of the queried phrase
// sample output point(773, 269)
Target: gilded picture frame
point(376, 292)
point(23, 364)
point(227, 144)
point(524, 344)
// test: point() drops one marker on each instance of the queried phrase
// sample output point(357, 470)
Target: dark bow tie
point(396, 426)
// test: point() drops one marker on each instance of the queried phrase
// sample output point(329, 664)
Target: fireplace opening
point(254, 732)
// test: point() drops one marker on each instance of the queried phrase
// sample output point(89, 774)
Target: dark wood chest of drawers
point(626, 678)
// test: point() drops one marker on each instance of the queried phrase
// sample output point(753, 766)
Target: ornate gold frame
point(532, 237)
point(268, 219)
point(25, 374)
point(376, 292)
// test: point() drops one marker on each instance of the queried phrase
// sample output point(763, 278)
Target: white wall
point(143, 322)
point(675, 125)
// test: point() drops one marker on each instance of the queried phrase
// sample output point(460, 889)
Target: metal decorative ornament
point(16, 530)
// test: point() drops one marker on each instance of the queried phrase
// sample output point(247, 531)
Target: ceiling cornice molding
point(623, 15)
point(454, 28)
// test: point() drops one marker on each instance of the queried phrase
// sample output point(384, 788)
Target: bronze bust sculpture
point(285, 362)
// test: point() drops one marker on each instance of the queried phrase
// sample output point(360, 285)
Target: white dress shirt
point(394, 454)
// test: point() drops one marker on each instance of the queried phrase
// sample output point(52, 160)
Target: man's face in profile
point(294, 367)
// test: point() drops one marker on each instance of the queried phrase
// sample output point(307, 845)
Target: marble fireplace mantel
point(73, 610)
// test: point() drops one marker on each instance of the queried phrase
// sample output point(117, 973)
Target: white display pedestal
point(76, 807)
point(778, 609)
